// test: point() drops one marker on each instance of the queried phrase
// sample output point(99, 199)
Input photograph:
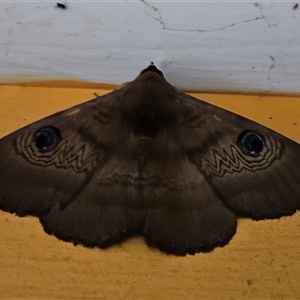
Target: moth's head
point(148, 102)
point(151, 76)
point(152, 68)
point(151, 84)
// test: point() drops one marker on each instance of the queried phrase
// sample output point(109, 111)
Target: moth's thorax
point(148, 103)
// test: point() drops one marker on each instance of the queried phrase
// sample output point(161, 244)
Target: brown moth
point(148, 159)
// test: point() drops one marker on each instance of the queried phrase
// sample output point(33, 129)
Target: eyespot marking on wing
point(234, 159)
point(64, 156)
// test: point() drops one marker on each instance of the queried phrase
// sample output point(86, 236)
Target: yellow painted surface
point(262, 261)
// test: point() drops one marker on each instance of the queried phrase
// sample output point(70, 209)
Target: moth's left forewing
point(48, 161)
point(254, 170)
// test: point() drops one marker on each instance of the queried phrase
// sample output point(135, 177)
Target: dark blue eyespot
point(47, 138)
point(251, 142)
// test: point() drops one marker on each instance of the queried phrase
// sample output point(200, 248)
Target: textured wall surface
point(205, 46)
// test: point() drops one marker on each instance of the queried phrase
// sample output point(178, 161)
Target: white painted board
point(205, 46)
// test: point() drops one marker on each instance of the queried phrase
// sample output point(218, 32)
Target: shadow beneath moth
point(151, 160)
